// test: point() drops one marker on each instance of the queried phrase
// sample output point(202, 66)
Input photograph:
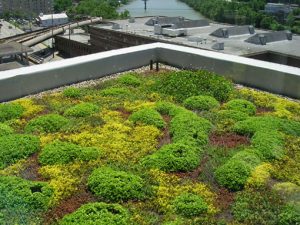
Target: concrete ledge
point(29, 80)
point(271, 77)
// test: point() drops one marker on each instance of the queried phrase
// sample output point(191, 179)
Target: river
point(161, 8)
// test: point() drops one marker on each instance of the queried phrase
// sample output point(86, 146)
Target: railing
point(268, 76)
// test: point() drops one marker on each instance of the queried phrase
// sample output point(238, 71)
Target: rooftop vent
point(195, 39)
point(264, 38)
point(116, 26)
point(227, 32)
point(131, 20)
point(218, 46)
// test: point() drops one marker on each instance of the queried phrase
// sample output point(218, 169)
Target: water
point(161, 8)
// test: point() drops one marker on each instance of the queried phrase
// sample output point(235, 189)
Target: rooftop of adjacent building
point(234, 45)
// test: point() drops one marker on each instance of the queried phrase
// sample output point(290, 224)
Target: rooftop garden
point(172, 148)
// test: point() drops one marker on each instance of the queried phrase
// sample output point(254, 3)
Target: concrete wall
point(71, 48)
point(264, 75)
point(275, 57)
point(29, 80)
point(104, 39)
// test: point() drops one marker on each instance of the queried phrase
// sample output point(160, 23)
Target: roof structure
point(13, 48)
point(55, 16)
point(264, 38)
point(10, 66)
point(226, 32)
point(234, 45)
point(164, 20)
point(190, 24)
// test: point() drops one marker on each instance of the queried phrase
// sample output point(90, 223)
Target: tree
point(62, 5)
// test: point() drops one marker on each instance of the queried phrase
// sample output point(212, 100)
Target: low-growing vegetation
point(173, 147)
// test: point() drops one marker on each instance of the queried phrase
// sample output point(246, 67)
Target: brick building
point(27, 6)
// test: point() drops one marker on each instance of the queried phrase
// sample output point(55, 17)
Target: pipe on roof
point(48, 35)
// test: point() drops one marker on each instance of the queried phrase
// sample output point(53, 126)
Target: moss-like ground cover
point(166, 148)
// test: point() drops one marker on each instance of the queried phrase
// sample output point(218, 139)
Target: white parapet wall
point(267, 76)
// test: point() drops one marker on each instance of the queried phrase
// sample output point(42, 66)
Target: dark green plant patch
point(48, 123)
point(147, 116)
point(168, 108)
point(187, 125)
point(176, 157)
point(21, 200)
point(17, 146)
point(98, 213)
point(184, 84)
point(233, 115)
point(241, 105)
point(189, 205)
point(233, 174)
point(257, 207)
point(254, 124)
point(201, 103)
point(5, 129)
point(59, 152)
point(269, 144)
point(82, 110)
point(10, 111)
point(72, 92)
point(129, 80)
point(115, 186)
point(290, 215)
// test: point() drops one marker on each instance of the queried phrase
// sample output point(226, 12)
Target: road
point(6, 32)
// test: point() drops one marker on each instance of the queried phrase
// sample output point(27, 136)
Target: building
point(274, 8)
point(1, 7)
point(279, 47)
point(52, 19)
point(27, 6)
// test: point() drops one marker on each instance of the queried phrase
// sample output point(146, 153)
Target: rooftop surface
point(10, 66)
point(78, 36)
point(13, 48)
point(8, 29)
point(234, 45)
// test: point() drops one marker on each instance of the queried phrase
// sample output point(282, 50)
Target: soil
point(69, 205)
point(166, 137)
point(194, 175)
point(229, 140)
point(31, 170)
point(224, 202)
point(124, 113)
point(263, 110)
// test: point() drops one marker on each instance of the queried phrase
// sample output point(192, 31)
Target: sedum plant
point(201, 103)
point(184, 84)
point(10, 111)
point(129, 80)
point(175, 157)
point(82, 110)
point(58, 152)
point(5, 129)
point(46, 124)
point(114, 185)
point(98, 213)
point(17, 146)
point(189, 205)
point(241, 105)
point(147, 116)
point(72, 92)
